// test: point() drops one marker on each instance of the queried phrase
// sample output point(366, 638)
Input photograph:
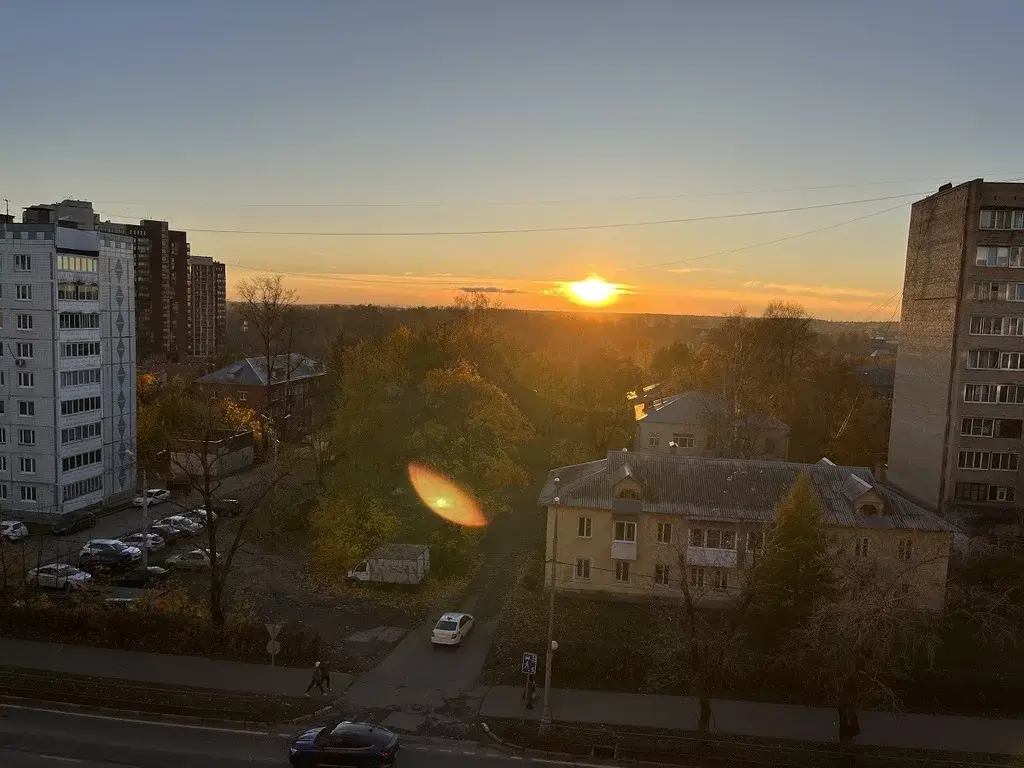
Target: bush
point(167, 624)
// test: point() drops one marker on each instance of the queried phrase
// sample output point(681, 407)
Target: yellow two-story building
point(638, 524)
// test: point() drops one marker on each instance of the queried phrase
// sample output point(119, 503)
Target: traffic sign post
point(273, 630)
point(273, 646)
point(529, 663)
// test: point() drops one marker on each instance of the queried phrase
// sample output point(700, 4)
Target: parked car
point(196, 560)
point(12, 530)
point(73, 522)
point(144, 577)
point(156, 496)
point(154, 542)
point(107, 554)
point(227, 507)
point(169, 533)
point(345, 743)
point(199, 517)
point(182, 524)
point(58, 576)
point(451, 629)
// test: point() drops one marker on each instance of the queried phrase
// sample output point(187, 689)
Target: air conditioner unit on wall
point(19, 361)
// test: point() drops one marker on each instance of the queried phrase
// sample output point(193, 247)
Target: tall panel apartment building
point(208, 307)
point(958, 403)
point(67, 369)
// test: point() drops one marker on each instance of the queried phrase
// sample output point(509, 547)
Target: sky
point(367, 119)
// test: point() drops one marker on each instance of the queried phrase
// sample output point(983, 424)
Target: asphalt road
point(40, 739)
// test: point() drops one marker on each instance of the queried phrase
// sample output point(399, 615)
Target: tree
point(785, 330)
point(344, 532)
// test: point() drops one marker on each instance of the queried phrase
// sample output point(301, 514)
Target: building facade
point(957, 416)
point(636, 525)
point(208, 307)
point(67, 369)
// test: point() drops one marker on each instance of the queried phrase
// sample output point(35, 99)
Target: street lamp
point(273, 431)
point(145, 508)
point(552, 646)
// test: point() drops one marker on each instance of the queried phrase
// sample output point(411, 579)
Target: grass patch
point(151, 697)
point(685, 748)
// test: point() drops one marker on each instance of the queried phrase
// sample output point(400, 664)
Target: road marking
point(139, 721)
point(61, 759)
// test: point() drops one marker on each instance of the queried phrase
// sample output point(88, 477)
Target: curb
point(310, 716)
point(60, 706)
point(500, 741)
point(567, 757)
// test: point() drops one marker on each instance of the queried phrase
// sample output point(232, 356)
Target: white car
point(58, 576)
point(156, 496)
point(12, 530)
point(201, 516)
point(185, 525)
point(451, 629)
point(196, 560)
point(154, 542)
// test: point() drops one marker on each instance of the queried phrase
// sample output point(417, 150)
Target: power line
point(576, 201)
point(572, 228)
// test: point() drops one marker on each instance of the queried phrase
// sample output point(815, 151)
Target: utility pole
point(145, 520)
point(545, 718)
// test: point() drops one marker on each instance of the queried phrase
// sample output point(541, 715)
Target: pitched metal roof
point(252, 371)
point(695, 408)
point(879, 376)
point(731, 489)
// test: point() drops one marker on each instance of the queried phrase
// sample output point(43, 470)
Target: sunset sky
point(419, 117)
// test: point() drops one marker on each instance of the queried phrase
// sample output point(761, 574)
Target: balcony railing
point(623, 550)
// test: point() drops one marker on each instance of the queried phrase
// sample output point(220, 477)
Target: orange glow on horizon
point(593, 292)
point(445, 498)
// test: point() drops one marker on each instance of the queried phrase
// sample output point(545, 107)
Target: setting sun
point(593, 292)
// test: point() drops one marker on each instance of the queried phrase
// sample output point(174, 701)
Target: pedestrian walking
point(318, 679)
point(325, 670)
point(530, 694)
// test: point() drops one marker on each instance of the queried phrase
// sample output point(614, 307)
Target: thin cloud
point(487, 289)
point(817, 290)
point(716, 270)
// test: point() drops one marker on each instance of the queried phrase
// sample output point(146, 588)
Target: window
point(716, 538)
point(755, 541)
point(1010, 393)
point(75, 263)
point(3, 433)
point(713, 539)
point(82, 487)
point(979, 427)
point(970, 492)
point(992, 256)
point(720, 578)
point(23, 322)
point(26, 437)
point(3, 490)
point(1000, 493)
point(80, 349)
point(70, 463)
point(696, 577)
point(28, 493)
point(3, 463)
point(78, 292)
point(664, 533)
point(24, 349)
point(696, 537)
point(81, 432)
point(79, 405)
point(860, 548)
point(662, 575)
point(583, 527)
point(1001, 219)
point(629, 493)
point(22, 262)
point(624, 531)
point(981, 393)
point(582, 567)
point(27, 465)
point(989, 291)
point(622, 570)
point(983, 359)
point(683, 440)
point(76, 320)
point(77, 378)
point(23, 292)
point(26, 379)
point(1011, 361)
point(26, 408)
point(906, 548)
point(654, 439)
point(242, 395)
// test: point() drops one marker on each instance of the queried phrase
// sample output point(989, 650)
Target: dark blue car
point(359, 745)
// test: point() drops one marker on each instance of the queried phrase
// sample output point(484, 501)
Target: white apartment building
point(67, 369)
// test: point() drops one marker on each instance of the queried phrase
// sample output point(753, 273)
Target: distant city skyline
point(403, 116)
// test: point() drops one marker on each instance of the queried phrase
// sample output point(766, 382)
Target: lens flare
point(445, 498)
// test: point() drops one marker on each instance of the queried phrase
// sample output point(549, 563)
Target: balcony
point(717, 558)
point(623, 550)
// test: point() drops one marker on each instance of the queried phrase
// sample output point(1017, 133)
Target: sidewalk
point(780, 721)
point(188, 671)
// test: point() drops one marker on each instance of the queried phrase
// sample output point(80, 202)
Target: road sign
point(529, 663)
point(273, 647)
point(274, 630)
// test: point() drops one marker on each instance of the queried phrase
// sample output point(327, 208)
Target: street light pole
point(145, 520)
point(545, 718)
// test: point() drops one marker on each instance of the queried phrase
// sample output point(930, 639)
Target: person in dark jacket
point(318, 679)
point(325, 670)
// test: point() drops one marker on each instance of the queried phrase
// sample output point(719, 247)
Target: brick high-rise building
point(958, 403)
point(208, 307)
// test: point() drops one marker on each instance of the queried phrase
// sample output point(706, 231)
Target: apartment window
point(242, 395)
point(24, 349)
point(3, 463)
point(81, 432)
point(860, 547)
point(624, 531)
point(80, 349)
point(23, 292)
point(27, 465)
point(1000, 493)
point(981, 393)
point(28, 493)
point(583, 527)
point(79, 405)
point(3, 431)
point(78, 292)
point(696, 537)
point(77, 378)
point(720, 578)
point(26, 408)
point(716, 538)
point(981, 427)
point(82, 487)
point(1004, 461)
point(664, 533)
point(683, 440)
point(1010, 393)
point(983, 359)
point(662, 574)
point(992, 256)
point(906, 548)
point(26, 379)
point(622, 570)
point(26, 437)
point(989, 291)
point(582, 568)
point(696, 577)
point(78, 320)
point(3, 490)
point(1011, 361)
point(22, 262)
point(1015, 291)
point(79, 460)
point(629, 493)
point(77, 263)
point(23, 322)
point(970, 491)
point(1001, 219)
point(755, 541)
point(654, 439)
